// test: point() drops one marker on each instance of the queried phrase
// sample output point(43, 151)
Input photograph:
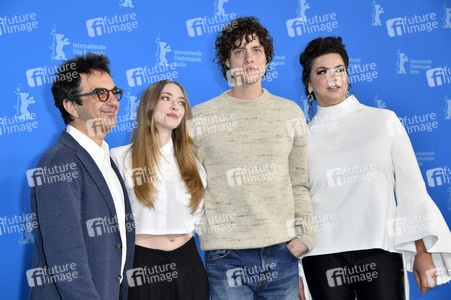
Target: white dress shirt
point(360, 157)
point(171, 214)
point(101, 157)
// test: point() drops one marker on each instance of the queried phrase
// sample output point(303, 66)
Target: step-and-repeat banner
point(399, 59)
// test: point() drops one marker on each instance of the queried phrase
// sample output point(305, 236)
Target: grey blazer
point(77, 237)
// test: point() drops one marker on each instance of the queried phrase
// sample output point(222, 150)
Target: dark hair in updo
point(319, 47)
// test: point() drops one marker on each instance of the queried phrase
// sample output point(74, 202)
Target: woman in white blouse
point(360, 157)
point(165, 184)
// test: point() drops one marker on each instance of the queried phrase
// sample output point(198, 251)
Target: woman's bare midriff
point(165, 242)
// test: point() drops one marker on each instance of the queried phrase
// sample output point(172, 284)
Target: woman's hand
point(424, 269)
point(301, 289)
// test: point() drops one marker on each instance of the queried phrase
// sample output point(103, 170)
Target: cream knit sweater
point(255, 156)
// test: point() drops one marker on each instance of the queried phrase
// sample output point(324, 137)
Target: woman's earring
point(348, 94)
point(310, 96)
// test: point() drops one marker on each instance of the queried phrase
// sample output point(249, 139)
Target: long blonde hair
point(145, 148)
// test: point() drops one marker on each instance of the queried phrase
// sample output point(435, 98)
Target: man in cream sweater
point(258, 215)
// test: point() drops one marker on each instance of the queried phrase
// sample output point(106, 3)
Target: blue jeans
point(261, 273)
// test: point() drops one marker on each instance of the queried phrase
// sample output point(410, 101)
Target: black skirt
point(176, 274)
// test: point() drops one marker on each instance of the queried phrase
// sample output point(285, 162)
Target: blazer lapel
point(92, 169)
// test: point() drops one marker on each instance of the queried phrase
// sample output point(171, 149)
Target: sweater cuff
point(309, 241)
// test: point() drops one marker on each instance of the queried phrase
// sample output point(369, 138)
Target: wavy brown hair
point(232, 35)
point(145, 148)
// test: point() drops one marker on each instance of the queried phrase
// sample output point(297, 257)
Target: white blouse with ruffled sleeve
point(367, 189)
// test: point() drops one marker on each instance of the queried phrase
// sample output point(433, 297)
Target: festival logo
point(379, 103)
point(126, 3)
point(23, 101)
point(219, 7)
point(375, 16)
point(305, 106)
point(162, 49)
point(409, 65)
point(23, 120)
point(449, 199)
point(400, 64)
point(58, 43)
point(303, 5)
point(446, 16)
point(132, 105)
point(447, 108)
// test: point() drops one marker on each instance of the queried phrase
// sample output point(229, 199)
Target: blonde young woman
point(165, 184)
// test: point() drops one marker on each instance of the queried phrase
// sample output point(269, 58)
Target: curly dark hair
point(67, 79)
point(231, 37)
point(319, 47)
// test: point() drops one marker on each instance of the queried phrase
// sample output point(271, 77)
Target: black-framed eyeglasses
point(104, 94)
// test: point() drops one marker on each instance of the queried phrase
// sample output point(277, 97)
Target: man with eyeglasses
point(85, 227)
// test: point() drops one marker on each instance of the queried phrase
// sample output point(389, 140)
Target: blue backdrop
point(399, 59)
